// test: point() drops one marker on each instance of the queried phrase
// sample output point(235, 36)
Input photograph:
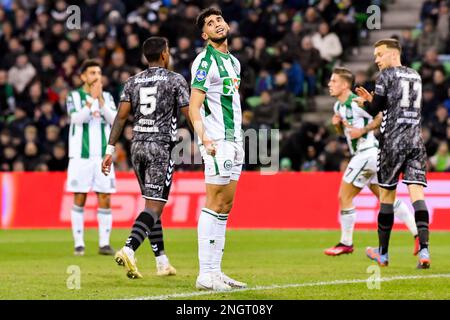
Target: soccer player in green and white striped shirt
point(362, 168)
point(215, 112)
point(92, 112)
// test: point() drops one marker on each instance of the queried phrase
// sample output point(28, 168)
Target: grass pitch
point(276, 264)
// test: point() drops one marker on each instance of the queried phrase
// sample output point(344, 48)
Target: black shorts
point(154, 168)
point(412, 163)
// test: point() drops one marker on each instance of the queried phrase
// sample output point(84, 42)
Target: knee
point(226, 207)
point(104, 200)
point(345, 201)
point(220, 206)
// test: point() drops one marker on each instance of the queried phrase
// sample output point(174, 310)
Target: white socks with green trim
point(211, 240)
point(348, 219)
point(104, 218)
point(77, 218)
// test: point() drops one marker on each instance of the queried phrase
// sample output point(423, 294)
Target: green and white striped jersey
point(218, 74)
point(358, 118)
point(89, 127)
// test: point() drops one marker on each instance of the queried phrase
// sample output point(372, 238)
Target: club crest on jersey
point(200, 75)
point(228, 164)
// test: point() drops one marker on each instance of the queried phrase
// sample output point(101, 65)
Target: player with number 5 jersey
point(154, 98)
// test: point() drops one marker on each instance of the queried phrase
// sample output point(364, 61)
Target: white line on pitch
point(284, 286)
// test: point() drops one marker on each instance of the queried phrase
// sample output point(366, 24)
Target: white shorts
point(226, 165)
point(362, 169)
point(84, 175)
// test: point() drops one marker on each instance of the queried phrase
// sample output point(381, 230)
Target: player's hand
point(106, 164)
point(353, 132)
point(336, 120)
point(96, 89)
point(363, 93)
point(360, 101)
point(210, 147)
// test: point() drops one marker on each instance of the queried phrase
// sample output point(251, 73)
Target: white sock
point(220, 230)
point(348, 219)
point(162, 259)
point(104, 218)
point(77, 219)
point(128, 251)
point(206, 238)
point(402, 212)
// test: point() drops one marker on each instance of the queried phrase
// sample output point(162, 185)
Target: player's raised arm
point(373, 107)
point(116, 131)
point(109, 110)
point(79, 116)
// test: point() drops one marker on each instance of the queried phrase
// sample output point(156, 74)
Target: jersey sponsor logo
point(230, 85)
point(200, 75)
point(153, 186)
point(150, 79)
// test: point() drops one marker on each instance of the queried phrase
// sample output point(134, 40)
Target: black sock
point(156, 239)
point(422, 220)
point(141, 228)
point(385, 223)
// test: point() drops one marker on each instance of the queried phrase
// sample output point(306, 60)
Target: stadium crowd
point(287, 49)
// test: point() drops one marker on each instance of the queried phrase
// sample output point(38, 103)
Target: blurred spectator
point(332, 156)
point(344, 25)
point(438, 123)
point(309, 58)
point(31, 134)
point(292, 40)
point(441, 160)
point(31, 158)
point(311, 163)
point(285, 165)
point(51, 139)
point(295, 76)
point(327, 9)
point(329, 46)
point(19, 121)
point(447, 100)
point(431, 143)
point(311, 21)
point(440, 85)
point(409, 47)
point(21, 73)
point(266, 115)
point(7, 99)
point(429, 65)
point(58, 160)
point(429, 103)
point(253, 26)
point(430, 10)
point(327, 43)
point(31, 99)
point(442, 25)
point(361, 80)
point(429, 38)
point(182, 57)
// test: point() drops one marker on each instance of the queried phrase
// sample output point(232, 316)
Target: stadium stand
point(287, 49)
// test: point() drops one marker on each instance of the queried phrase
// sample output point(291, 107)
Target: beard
point(219, 40)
